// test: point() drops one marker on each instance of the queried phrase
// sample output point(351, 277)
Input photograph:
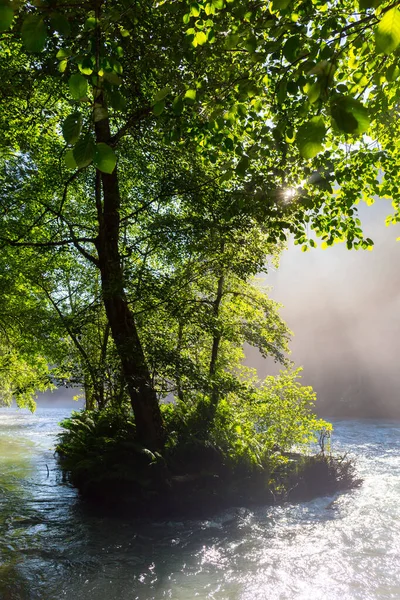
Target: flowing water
point(52, 547)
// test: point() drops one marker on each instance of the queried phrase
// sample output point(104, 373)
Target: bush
point(253, 428)
point(99, 452)
point(307, 477)
point(250, 448)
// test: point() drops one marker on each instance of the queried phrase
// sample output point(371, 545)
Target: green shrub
point(252, 447)
point(98, 448)
point(251, 429)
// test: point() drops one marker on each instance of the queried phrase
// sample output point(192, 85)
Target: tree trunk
point(90, 403)
point(149, 426)
point(178, 370)
point(216, 342)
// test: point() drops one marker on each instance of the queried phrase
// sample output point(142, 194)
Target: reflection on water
point(52, 547)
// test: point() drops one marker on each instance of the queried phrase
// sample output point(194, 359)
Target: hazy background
point(61, 398)
point(344, 309)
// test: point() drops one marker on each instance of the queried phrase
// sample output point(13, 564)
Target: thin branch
point(134, 119)
point(64, 196)
point(50, 244)
point(77, 243)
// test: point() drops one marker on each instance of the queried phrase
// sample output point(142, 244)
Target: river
point(53, 547)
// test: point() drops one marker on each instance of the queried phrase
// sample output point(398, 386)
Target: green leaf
point(292, 48)
point(86, 66)
point(84, 151)
point(60, 24)
point(350, 115)
point(232, 40)
point(242, 166)
point(310, 136)
point(34, 33)
point(251, 44)
point(72, 128)
point(118, 68)
point(211, 36)
point(99, 114)
point(313, 91)
point(364, 4)
point(387, 33)
point(290, 135)
point(90, 23)
point(116, 100)
point(190, 96)
point(280, 4)
point(177, 105)
point(70, 160)
point(6, 16)
point(62, 65)
point(77, 86)
point(104, 158)
point(158, 108)
point(63, 53)
point(392, 73)
point(161, 94)
point(194, 9)
point(112, 77)
point(200, 38)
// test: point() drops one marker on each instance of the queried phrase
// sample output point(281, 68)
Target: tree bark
point(178, 370)
point(149, 425)
point(216, 342)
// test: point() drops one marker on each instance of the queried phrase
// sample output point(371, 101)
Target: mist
point(344, 309)
point(61, 398)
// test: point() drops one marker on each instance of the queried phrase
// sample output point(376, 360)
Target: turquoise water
point(340, 547)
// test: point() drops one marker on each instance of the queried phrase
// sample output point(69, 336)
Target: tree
point(85, 354)
point(23, 367)
point(272, 95)
point(197, 304)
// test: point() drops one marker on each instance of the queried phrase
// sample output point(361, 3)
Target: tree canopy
point(154, 154)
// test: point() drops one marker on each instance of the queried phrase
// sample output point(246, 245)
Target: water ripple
point(334, 548)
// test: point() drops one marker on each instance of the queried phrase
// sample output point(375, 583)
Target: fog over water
point(62, 398)
point(344, 309)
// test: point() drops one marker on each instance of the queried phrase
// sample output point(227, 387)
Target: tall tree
point(272, 94)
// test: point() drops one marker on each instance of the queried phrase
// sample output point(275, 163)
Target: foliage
point(99, 450)
point(252, 428)
point(153, 156)
point(24, 370)
point(22, 377)
point(85, 433)
point(318, 475)
point(301, 77)
point(258, 455)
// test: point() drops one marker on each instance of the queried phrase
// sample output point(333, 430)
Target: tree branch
point(134, 119)
point(50, 244)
